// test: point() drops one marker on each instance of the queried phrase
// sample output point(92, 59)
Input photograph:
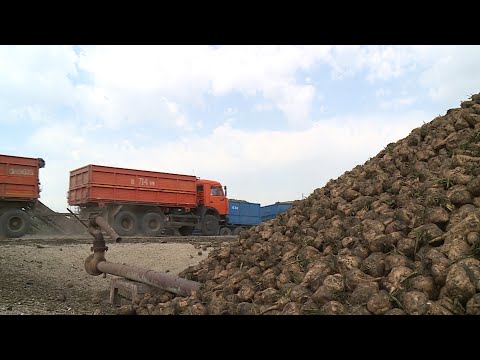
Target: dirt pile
point(398, 235)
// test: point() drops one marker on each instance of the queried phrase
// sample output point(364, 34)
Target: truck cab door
point(217, 199)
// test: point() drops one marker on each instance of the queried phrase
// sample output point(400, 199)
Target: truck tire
point(238, 230)
point(186, 230)
point(15, 223)
point(153, 224)
point(210, 225)
point(225, 231)
point(125, 223)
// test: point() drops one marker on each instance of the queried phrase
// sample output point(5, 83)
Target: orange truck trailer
point(147, 202)
point(19, 193)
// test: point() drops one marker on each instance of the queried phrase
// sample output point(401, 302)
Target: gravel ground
point(47, 276)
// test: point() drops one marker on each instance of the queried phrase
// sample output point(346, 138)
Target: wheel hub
point(15, 223)
point(153, 225)
point(126, 223)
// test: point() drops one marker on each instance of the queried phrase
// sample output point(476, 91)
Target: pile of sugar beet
point(397, 235)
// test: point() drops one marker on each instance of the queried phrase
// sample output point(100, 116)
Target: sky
point(272, 123)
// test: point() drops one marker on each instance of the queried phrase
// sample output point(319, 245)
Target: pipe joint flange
point(91, 263)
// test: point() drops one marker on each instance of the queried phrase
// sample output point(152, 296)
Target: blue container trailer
point(269, 212)
point(241, 215)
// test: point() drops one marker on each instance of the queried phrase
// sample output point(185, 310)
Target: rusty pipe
point(99, 248)
point(96, 264)
point(99, 221)
point(92, 261)
point(168, 282)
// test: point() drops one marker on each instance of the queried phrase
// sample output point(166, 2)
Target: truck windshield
point(216, 191)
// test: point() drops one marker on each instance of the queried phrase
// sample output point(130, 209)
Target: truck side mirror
point(225, 188)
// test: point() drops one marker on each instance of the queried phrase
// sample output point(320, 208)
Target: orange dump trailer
point(102, 184)
point(19, 191)
point(19, 179)
point(148, 202)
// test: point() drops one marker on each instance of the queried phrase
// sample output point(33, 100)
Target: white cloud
point(294, 101)
point(56, 137)
point(453, 73)
point(186, 73)
point(346, 60)
point(379, 62)
point(34, 80)
point(230, 111)
point(386, 62)
point(135, 84)
point(396, 103)
point(263, 107)
point(449, 74)
point(381, 92)
point(121, 107)
point(130, 81)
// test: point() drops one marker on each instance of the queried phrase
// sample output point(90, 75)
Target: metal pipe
point(96, 264)
point(99, 248)
point(168, 282)
point(100, 221)
point(92, 261)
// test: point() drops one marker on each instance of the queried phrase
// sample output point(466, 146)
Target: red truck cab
point(210, 194)
point(213, 206)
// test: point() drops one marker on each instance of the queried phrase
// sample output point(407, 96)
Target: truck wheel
point(153, 224)
point(186, 230)
point(15, 223)
point(225, 231)
point(125, 223)
point(210, 225)
point(238, 230)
